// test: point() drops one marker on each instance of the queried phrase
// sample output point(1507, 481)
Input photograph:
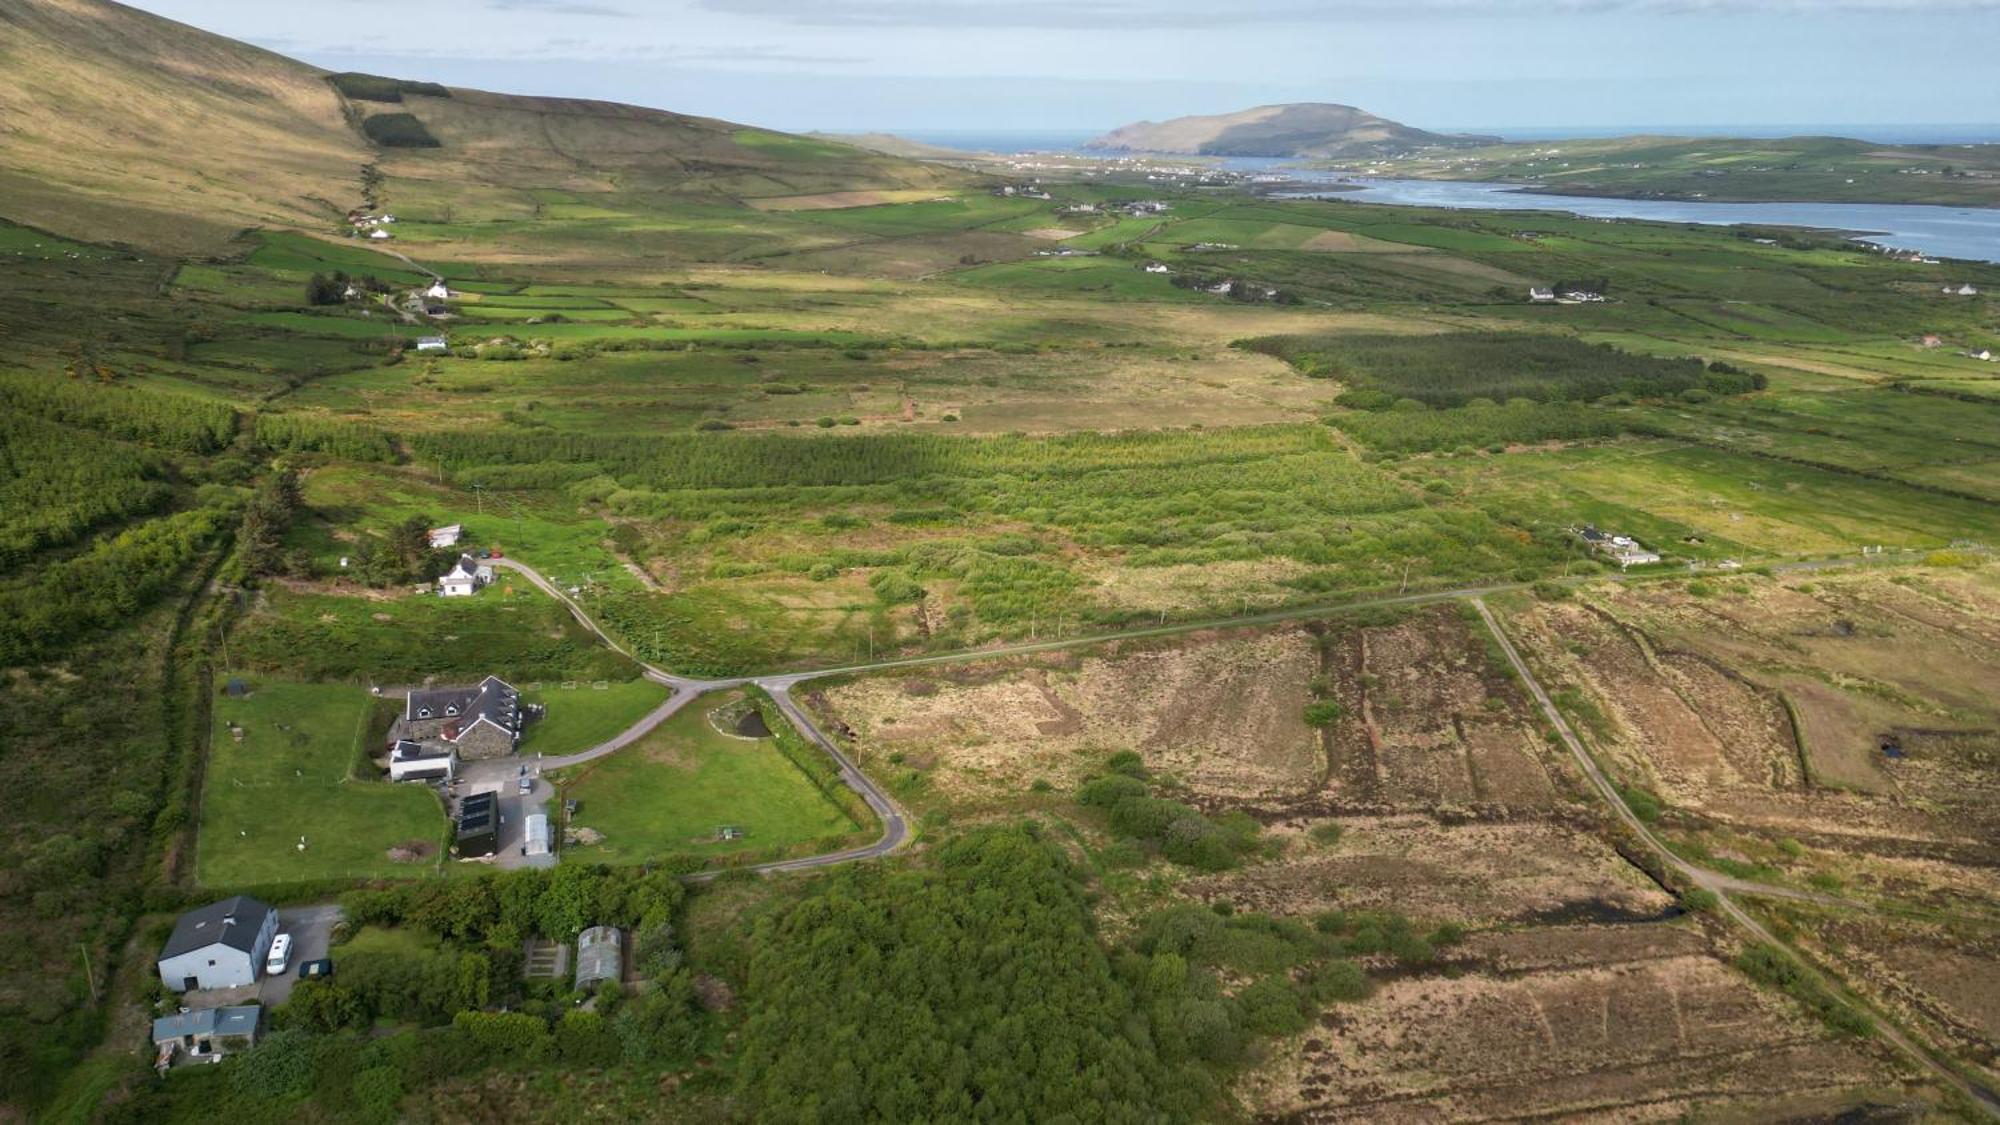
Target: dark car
point(313, 970)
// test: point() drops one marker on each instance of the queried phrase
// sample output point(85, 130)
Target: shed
point(478, 826)
point(207, 1032)
point(537, 839)
point(600, 956)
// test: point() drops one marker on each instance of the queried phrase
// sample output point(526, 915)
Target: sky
point(1033, 65)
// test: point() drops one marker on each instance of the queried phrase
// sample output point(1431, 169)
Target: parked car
point(314, 970)
point(280, 955)
point(527, 784)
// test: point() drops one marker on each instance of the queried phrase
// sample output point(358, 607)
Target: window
point(423, 712)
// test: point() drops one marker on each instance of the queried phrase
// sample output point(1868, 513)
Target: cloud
point(559, 8)
point(1168, 15)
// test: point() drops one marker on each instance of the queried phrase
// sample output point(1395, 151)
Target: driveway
point(503, 777)
point(311, 928)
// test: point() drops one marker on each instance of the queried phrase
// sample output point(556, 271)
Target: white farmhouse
point(438, 291)
point(465, 578)
point(379, 235)
point(433, 344)
point(221, 945)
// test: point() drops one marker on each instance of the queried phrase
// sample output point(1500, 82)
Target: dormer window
point(451, 709)
point(423, 713)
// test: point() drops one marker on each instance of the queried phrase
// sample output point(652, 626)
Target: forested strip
point(768, 460)
point(1455, 368)
point(58, 483)
point(338, 437)
point(105, 585)
point(154, 417)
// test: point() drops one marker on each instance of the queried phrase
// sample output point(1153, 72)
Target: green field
point(289, 777)
point(669, 793)
point(583, 715)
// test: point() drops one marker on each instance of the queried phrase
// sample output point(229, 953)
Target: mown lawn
point(287, 778)
point(668, 793)
point(579, 718)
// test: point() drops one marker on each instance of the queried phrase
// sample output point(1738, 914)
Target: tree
point(322, 1006)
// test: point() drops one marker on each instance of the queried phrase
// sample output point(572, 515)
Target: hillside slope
point(1297, 129)
point(118, 125)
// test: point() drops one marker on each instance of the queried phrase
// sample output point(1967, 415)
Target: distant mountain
point(119, 125)
point(1297, 129)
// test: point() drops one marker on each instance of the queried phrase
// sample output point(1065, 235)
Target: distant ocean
point(1069, 140)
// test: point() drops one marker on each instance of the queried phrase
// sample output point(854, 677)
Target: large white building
point(221, 945)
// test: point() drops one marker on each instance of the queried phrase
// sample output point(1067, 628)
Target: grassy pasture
point(288, 777)
point(668, 793)
point(584, 715)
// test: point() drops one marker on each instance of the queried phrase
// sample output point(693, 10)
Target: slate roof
point(407, 751)
point(233, 922)
point(493, 699)
point(240, 1020)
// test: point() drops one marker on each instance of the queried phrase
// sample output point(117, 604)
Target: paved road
point(895, 825)
point(1723, 886)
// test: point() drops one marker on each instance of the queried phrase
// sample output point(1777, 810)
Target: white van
point(281, 954)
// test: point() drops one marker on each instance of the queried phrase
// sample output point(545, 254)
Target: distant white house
point(1983, 354)
point(446, 536)
point(465, 578)
point(1962, 291)
point(379, 235)
point(437, 291)
point(433, 344)
point(1623, 549)
point(1157, 267)
point(1540, 294)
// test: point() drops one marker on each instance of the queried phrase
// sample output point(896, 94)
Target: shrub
point(1270, 1007)
point(1324, 712)
point(398, 130)
point(1104, 792)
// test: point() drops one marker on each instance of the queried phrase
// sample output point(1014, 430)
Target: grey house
point(205, 1034)
point(221, 945)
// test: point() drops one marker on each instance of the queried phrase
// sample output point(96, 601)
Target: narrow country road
point(895, 824)
point(1723, 886)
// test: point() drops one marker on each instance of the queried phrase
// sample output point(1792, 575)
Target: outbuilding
point(221, 945)
point(415, 761)
point(600, 956)
point(478, 826)
point(205, 1034)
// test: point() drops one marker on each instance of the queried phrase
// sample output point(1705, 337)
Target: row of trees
point(1454, 368)
point(182, 422)
point(59, 483)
